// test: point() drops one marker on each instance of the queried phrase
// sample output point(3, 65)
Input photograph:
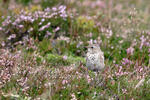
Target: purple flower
point(48, 34)
point(42, 20)
point(79, 44)
point(48, 24)
point(64, 82)
point(44, 27)
point(143, 40)
point(47, 9)
point(130, 50)
point(11, 36)
point(1, 28)
point(57, 29)
point(31, 29)
point(21, 26)
point(65, 57)
point(54, 9)
point(3, 43)
point(40, 23)
point(126, 61)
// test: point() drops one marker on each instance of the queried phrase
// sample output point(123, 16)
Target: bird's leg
point(99, 79)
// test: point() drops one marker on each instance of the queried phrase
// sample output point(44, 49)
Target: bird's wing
point(101, 58)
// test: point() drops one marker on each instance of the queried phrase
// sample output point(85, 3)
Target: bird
point(95, 63)
point(95, 58)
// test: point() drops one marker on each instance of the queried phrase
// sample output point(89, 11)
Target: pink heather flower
point(112, 47)
point(62, 7)
point(79, 44)
point(130, 50)
point(54, 8)
point(44, 27)
point(88, 78)
point(64, 82)
point(65, 57)
point(25, 88)
point(1, 28)
point(40, 23)
point(120, 72)
point(18, 20)
point(73, 97)
point(3, 43)
point(14, 23)
point(57, 29)
point(11, 36)
point(21, 26)
point(32, 20)
point(120, 68)
point(47, 9)
point(48, 34)
point(31, 29)
point(143, 40)
point(42, 20)
point(126, 61)
point(24, 18)
point(48, 24)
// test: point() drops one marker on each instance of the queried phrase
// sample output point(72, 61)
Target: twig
point(118, 87)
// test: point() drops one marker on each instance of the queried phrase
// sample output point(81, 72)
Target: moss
point(55, 59)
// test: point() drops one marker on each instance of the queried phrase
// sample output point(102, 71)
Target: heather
point(42, 49)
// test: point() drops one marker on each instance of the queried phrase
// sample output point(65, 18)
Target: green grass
point(58, 59)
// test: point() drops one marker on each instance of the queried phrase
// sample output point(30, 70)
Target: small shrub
point(85, 23)
point(38, 24)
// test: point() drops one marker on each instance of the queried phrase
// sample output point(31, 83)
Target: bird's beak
point(86, 47)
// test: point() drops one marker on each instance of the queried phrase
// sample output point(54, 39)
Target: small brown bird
point(95, 58)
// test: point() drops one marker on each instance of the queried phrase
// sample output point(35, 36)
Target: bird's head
point(93, 48)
